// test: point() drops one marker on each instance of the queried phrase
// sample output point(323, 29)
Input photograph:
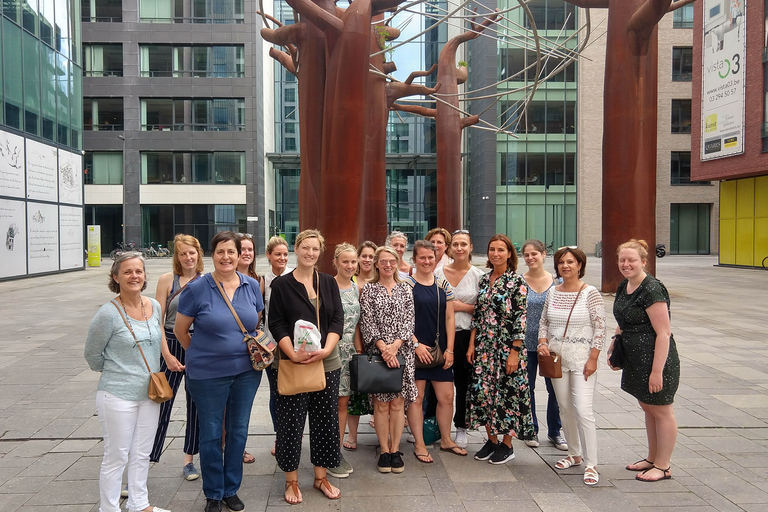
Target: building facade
point(41, 128)
point(173, 116)
point(730, 55)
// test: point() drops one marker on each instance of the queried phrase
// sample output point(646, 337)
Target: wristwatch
point(516, 348)
point(415, 344)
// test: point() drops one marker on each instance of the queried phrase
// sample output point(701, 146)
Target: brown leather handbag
point(550, 366)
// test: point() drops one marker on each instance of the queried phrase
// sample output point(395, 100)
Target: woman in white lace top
point(573, 326)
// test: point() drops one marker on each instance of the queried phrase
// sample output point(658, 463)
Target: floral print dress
point(500, 401)
point(351, 305)
point(389, 318)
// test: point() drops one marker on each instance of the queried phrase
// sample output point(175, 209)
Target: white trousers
point(128, 428)
point(575, 396)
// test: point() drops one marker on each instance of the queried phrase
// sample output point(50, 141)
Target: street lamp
point(125, 245)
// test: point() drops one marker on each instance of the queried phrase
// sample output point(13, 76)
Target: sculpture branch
point(678, 4)
point(397, 90)
point(416, 74)
point(319, 17)
point(648, 15)
point(469, 121)
point(285, 59)
point(590, 4)
point(414, 109)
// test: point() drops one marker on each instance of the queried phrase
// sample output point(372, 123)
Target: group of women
point(475, 337)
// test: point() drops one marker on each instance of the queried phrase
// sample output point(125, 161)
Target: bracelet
point(516, 348)
point(449, 352)
point(546, 344)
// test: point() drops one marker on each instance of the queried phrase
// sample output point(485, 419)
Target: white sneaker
point(410, 438)
point(461, 437)
point(533, 443)
point(124, 491)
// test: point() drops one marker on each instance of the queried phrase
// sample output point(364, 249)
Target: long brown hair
point(512, 260)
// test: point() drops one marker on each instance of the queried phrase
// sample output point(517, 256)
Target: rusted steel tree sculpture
point(629, 125)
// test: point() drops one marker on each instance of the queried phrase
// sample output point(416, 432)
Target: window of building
point(551, 15)
point(514, 60)
point(689, 228)
point(32, 77)
point(218, 114)
point(160, 223)
point(542, 117)
point(681, 116)
point(159, 11)
point(682, 64)
point(101, 10)
point(103, 168)
point(12, 76)
point(218, 11)
point(200, 167)
point(28, 15)
point(683, 17)
point(103, 114)
point(164, 114)
point(537, 169)
point(218, 61)
point(199, 61)
point(680, 169)
point(103, 60)
point(159, 60)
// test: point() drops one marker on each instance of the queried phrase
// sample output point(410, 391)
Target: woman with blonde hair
point(399, 242)
point(277, 255)
point(573, 326)
point(441, 239)
point(386, 325)
point(308, 295)
point(651, 367)
point(187, 266)
point(345, 262)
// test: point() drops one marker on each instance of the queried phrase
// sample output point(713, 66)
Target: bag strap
point(437, 289)
point(229, 305)
point(177, 292)
point(317, 293)
point(572, 307)
point(128, 325)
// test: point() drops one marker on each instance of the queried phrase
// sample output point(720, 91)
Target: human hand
point(422, 352)
point(655, 382)
point(317, 355)
point(542, 350)
point(392, 362)
point(471, 353)
point(512, 362)
point(173, 364)
point(589, 368)
point(448, 360)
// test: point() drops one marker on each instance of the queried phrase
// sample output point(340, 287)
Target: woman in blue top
point(219, 372)
point(127, 416)
point(539, 283)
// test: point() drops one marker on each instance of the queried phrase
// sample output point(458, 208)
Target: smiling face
point(130, 276)
point(425, 260)
point(365, 260)
point(346, 264)
point(399, 245)
point(307, 252)
point(246, 254)
point(187, 256)
point(498, 255)
point(386, 264)
point(534, 259)
point(438, 240)
point(630, 263)
point(461, 247)
point(225, 257)
point(568, 267)
point(278, 258)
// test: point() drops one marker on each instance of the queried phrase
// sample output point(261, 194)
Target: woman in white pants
point(127, 416)
point(573, 326)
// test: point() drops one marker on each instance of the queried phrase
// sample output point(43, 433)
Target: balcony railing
point(194, 74)
point(195, 127)
point(102, 19)
point(194, 19)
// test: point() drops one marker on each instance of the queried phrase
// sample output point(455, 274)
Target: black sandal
point(665, 472)
point(640, 462)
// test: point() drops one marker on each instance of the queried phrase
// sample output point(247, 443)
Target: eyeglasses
point(387, 263)
point(460, 232)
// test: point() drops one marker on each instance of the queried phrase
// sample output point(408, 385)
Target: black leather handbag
point(370, 374)
point(618, 357)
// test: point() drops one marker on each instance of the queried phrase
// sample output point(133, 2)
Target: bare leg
point(352, 422)
point(664, 435)
point(444, 393)
point(343, 401)
point(416, 421)
point(292, 492)
point(381, 418)
point(491, 437)
point(396, 420)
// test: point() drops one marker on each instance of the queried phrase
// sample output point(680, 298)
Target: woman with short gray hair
point(127, 416)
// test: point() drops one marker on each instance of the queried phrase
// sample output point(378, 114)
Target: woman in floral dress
point(386, 325)
point(345, 261)
point(498, 396)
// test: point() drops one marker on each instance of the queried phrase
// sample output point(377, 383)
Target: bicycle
point(115, 253)
point(765, 263)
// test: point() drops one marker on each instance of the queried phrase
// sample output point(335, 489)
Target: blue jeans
point(213, 397)
point(553, 411)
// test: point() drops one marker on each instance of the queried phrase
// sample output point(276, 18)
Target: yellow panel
point(727, 200)
point(728, 242)
point(745, 237)
point(761, 198)
point(761, 240)
point(745, 199)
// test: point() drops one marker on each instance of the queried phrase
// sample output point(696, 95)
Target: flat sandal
point(294, 486)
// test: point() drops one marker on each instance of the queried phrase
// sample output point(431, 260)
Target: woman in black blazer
point(294, 297)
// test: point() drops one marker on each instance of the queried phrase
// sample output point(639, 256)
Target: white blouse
point(465, 291)
point(586, 329)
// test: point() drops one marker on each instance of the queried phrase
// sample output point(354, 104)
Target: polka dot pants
point(323, 410)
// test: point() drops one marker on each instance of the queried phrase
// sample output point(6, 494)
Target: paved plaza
point(50, 443)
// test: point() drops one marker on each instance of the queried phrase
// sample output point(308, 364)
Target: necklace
point(144, 314)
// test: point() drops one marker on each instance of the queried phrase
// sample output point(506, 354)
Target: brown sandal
point(323, 486)
point(294, 486)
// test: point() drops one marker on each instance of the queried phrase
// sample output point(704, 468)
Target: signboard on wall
point(723, 73)
point(43, 237)
point(42, 171)
point(71, 247)
point(13, 230)
point(11, 165)
point(70, 178)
